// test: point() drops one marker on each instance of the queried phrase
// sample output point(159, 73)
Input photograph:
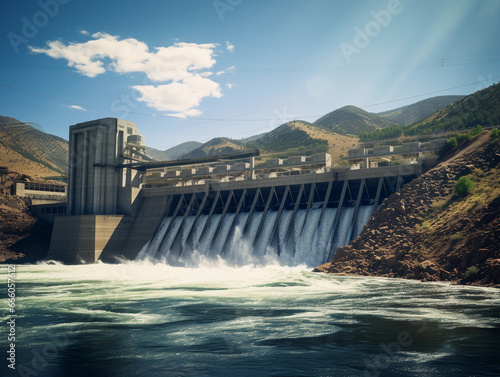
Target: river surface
point(147, 319)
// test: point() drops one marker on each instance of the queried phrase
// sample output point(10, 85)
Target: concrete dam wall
point(122, 205)
point(292, 220)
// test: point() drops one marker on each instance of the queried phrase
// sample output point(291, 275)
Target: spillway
point(289, 225)
point(309, 243)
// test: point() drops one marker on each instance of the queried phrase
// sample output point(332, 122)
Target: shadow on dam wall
point(296, 221)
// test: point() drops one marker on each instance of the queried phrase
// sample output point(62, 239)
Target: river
point(151, 319)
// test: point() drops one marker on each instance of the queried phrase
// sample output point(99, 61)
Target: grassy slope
point(30, 151)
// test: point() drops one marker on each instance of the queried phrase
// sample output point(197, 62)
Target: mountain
point(351, 120)
point(216, 147)
point(419, 111)
point(174, 152)
point(480, 108)
point(302, 138)
point(27, 150)
point(291, 135)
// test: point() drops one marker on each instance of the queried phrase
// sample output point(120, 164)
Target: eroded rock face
point(424, 232)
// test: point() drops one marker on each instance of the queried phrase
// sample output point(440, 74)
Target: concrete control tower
point(98, 183)
point(102, 190)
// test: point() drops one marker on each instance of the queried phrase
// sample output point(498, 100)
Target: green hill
point(291, 137)
point(352, 120)
point(480, 108)
point(418, 111)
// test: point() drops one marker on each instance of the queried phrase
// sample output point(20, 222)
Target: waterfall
point(311, 239)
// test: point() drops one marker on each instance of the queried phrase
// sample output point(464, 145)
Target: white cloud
point(76, 107)
point(231, 69)
point(229, 46)
point(181, 97)
point(180, 71)
point(230, 85)
point(84, 32)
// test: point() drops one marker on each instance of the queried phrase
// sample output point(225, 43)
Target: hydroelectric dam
point(242, 208)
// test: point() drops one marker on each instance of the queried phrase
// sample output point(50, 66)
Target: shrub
point(494, 133)
point(476, 131)
point(471, 271)
point(464, 186)
point(462, 138)
point(452, 142)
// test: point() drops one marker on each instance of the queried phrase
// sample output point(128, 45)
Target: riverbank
point(23, 237)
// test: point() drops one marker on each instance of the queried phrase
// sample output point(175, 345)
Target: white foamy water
point(143, 318)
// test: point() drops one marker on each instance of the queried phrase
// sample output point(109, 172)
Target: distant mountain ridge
point(41, 154)
point(418, 111)
point(173, 153)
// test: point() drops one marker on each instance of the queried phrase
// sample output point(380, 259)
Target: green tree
point(452, 142)
point(464, 186)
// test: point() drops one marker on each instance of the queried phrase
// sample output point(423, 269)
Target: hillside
point(427, 232)
point(29, 151)
point(418, 111)
point(174, 152)
point(480, 108)
point(352, 120)
point(303, 138)
point(216, 147)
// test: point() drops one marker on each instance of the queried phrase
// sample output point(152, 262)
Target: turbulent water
point(144, 319)
point(308, 238)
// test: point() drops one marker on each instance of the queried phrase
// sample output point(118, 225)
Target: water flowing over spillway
point(295, 238)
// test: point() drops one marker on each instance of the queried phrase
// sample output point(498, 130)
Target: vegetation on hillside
point(215, 147)
point(419, 111)
point(352, 120)
point(289, 136)
point(481, 108)
point(384, 133)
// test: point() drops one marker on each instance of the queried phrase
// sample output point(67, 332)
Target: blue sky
point(197, 69)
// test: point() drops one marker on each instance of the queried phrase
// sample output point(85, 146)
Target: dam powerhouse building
point(119, 199)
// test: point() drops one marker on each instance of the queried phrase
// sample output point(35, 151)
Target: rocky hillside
point(27, 150)
point(427, 232)
point(23, 238)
